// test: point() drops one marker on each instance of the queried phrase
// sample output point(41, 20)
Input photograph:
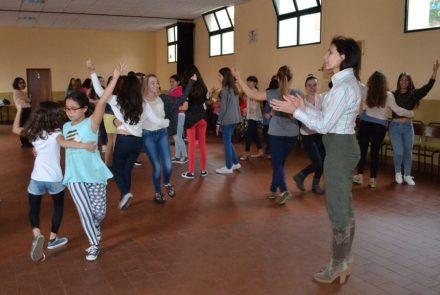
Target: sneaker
point(244, 157)
point(372, 183)
point(170, 190)
point(358, 179)
point(224, 170)
point(399, 179)
point(37, 248)
point(158, 198)
point(188, 175)
point(236, 166)
point(175, 160)
point(409, 180)
point(138, 163)
point(92, 253)
point(56, 243)
point(124, 203)
point(183, 160)
point(203, 173)
point(259, 154)
point(272, 195)
point(284, 197)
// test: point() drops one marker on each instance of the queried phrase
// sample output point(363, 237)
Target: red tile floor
point(220, 235)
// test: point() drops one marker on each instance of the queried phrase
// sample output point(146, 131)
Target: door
point(39, 83)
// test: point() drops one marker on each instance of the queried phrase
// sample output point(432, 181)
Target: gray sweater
point(230, 108)
point(280, 124)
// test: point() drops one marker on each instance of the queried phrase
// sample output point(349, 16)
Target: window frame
point(298, 14)
point(175, 43)
point(405, 25)
point(220, 31)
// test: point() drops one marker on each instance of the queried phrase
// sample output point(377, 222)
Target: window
point(299, 22)
point(172, 43)
point(220, 26)
point(422, 15)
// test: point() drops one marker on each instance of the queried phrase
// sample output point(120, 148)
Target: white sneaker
point(224, 170)
point(124, 203)
point(236, 166)
point(358, 179)
point(409, 180)
point(399, 179)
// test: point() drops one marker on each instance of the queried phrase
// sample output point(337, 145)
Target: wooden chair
point(431, 145)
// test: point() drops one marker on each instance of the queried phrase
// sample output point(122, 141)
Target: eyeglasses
point(71, 109)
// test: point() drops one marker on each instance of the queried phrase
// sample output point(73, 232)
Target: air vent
point(33, 1)
point(27, 18)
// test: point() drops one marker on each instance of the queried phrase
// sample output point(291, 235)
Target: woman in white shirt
point(336, 121)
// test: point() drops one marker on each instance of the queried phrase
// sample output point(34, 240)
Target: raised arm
point(16, 125)
point(424, 90)
point(95, 81)
point(97, 115)
point(252, 93)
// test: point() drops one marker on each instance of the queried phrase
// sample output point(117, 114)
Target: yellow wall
point(378, 23)
point(65, 52)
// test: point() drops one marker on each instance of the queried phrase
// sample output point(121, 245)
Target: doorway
point(39, 83)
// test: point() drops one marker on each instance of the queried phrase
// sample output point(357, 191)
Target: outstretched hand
point(435, 66)
point(288, 105)
point(194, 77)
point(119, 69)
point(89, 64)
point(236, 74)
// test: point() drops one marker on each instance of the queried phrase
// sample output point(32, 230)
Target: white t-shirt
point(157, 106)
point(47, 163)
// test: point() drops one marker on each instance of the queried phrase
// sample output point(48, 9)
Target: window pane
point(310, 28)
point(211, 22)
point(215, 45)
point(228, 43)
point(223, 19)
point(231, 11)
point(172, 53)
point(287, 35)
point(423, 14)
point(304, 4)
point(175, 33)
point(171, 35)
point(284, 6)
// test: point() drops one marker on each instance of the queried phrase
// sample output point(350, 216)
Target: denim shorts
point(41, 187)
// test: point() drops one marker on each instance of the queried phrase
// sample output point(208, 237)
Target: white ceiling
point(127, 15)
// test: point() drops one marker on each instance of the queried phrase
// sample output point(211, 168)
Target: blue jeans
point(402, 138)
point(280, 147)
point(230, 154)
point(179, 143)
point(37, 187)
point(157, 146)
point(127, 149)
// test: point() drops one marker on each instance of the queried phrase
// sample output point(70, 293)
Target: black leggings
point(57, 216)
point(315, 149)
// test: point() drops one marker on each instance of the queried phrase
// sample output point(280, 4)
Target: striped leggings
point(91, 202)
